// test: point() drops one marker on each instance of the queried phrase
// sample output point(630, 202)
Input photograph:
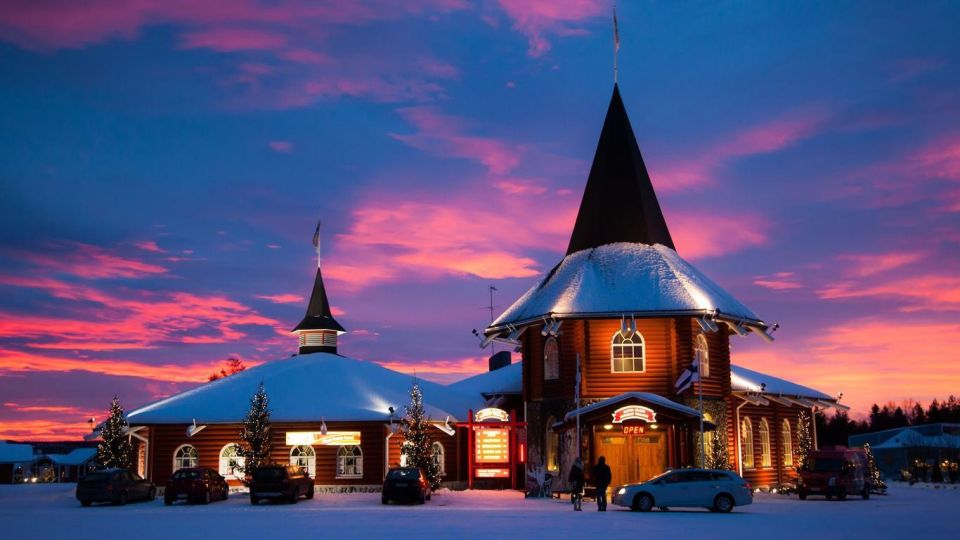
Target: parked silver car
point(716, 490)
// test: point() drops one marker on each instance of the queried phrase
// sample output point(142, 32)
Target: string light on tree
point(414, 428)
point(115, 449)
point(256, 432)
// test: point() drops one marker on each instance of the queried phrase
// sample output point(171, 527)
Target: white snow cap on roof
point(15, 453)
point(307, 387)
point(78, 456)
point(747, 380)
point(506, 380)
point(625, 278)
point(654, 399)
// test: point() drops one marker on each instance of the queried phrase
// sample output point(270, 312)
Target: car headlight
point(621, 491)
point(832, 481)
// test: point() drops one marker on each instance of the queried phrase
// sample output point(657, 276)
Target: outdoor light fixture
point(323, 426)
point(546, 327)
point(555, 328)
point(654, 426)
point(486, 340)
point(707, 325)
point(608, 427)
point(623, 325)
point(516, 334)
point(633, 325)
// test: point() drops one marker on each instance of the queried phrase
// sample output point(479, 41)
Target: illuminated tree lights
point(256, 433)
point(804, 440)
point(877, 485)
point(414, 428)
point(115, 450)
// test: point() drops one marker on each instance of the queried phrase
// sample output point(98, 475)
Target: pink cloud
point(225, 39)
point(92, 262)
point(283, 147)
point(780, 281)
point(282, 298)
point(863, 265)
point(929, 292)
point(705, 234)
point(699, 168)
point(441, 371)
point(150, 245)
point(537, 19)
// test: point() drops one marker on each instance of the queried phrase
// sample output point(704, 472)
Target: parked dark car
point(286, 482)
point(117, 486)
point(196, 485)
point(405, 484)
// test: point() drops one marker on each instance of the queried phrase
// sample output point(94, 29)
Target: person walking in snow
point(576, 483)
point(601, 478)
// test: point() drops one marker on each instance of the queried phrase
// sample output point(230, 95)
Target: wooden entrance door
point(616, 449)
point(632, 458)
point(649, 455)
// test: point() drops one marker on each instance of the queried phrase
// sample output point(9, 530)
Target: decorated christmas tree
point(877, 485)
point(419, 452)
point(256, 432)
point(718, 451)
point(804, 440)
point(115, 450)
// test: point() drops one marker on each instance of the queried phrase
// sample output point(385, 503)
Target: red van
point(834, 471)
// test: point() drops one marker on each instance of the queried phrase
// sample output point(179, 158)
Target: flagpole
point(577, 398)
point(703, 451)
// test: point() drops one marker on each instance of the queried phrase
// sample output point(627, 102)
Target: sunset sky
point(163, 164)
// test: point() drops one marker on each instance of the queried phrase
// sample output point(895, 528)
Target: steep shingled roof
point(319, 316)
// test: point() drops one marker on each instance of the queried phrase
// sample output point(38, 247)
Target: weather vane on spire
point(316, 242)
point(616, 42)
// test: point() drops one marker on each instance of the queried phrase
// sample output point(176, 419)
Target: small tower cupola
point(318, 330)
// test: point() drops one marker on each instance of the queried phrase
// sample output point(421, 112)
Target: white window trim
point(786, 434)
point(176, 460)
point(223, 463)
point(546, 376)
point(766, 450)
point(703, 345)
point(746, 443)
point(310, 458)
point(359, 462)
point(643, 352)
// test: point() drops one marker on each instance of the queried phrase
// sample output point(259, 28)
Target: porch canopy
point(663, 411)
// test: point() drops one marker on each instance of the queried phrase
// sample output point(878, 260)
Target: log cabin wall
point(717, 384)
point(778, 473)
point(570, 341)
point(599, 380)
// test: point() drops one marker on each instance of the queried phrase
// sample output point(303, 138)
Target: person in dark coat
point(601, 477)
point(575, 478)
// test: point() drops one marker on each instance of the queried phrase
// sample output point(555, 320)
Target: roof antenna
point(616, 42)
point(316, 242)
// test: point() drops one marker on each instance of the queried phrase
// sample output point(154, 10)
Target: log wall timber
point(778, 473)
point(658, 341)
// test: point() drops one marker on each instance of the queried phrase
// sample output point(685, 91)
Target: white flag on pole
point(689, 375)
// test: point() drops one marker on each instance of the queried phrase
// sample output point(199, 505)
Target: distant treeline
point(836, 428)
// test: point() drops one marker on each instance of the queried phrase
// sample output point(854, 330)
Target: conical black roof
point(619, 204)
point(318, 315)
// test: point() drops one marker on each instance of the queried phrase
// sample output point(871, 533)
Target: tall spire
point(318, 330)
point(619, 203)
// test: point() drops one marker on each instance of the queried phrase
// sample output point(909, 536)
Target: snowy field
point(50, 511)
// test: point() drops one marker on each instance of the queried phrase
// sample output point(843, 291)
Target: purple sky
point(163, 163)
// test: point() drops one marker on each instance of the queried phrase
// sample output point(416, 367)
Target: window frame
point(311, 459)
point(356, 454)
point(628, 342)
point(786, 441)
point(746, 444)
point(555, 372)
point(701, 344)
point(223, 463)
point(766, 449)
point(436, 449)
point(177, 458)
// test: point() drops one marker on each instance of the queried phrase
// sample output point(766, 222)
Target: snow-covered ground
point(50, 511)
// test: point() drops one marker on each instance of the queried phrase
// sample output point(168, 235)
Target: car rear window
point(268, 475)
point(404, 474)
point(186, 475)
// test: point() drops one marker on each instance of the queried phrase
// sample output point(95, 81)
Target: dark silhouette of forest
point(836, 428)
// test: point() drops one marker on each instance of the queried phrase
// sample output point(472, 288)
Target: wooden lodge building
point(606, 333)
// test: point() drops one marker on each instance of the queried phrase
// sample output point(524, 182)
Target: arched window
point(707, 444)
point(787, 439)
point(407, 446)
point(627, 353)
point(231, 461)
point(349, 462)
point(551, 359)
point(700, 347)
point(437, 456)
point(765, 460)
point(184, 457)
point(303, 456)
point(746, 443)
point(552, 440)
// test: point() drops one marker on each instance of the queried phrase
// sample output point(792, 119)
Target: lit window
point(303, 456)
point(349, 462)
point(707, 443)
point(787, 444)
point(185, 457)
point(231, 461)
point(764, 443)
point(553, 446)
point(746, 443)
point(437, 455)
point(700, 347)
point(405, 450)
point(551, 359)
point(627, 353)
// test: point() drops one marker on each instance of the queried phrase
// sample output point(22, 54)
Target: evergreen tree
point(115, 450)
point(256, 432)
point(917, 416)
point(414, 429)
point(804, 440)
point(718, 451)
point(877, 485)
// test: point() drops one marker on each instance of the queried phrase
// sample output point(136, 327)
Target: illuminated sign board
point(492, 446)
point(491, 413)
point(634, 430)
point(492, 473)
point(331, 438)
point(634, 412)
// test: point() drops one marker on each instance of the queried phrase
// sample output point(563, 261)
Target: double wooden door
point(632, 458)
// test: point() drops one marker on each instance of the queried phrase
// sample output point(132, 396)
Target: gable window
point(765, 459)
point(787, 444)
point(627, 353)
point(700, 348)
point(551, 359)
point(305, 457)
point(185, 457)
point(231, 461)
point(437, 456)
point(349, 462)
point(746, 443)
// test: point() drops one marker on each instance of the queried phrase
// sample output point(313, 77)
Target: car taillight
point(746, 485)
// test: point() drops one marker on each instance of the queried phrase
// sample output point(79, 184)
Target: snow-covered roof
point(506, 380)
point(747, 380)
point(307, 387)
point(78, 456)
point(653, 399)
point(15, 453)
point(911, 438)
point(631, 278)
